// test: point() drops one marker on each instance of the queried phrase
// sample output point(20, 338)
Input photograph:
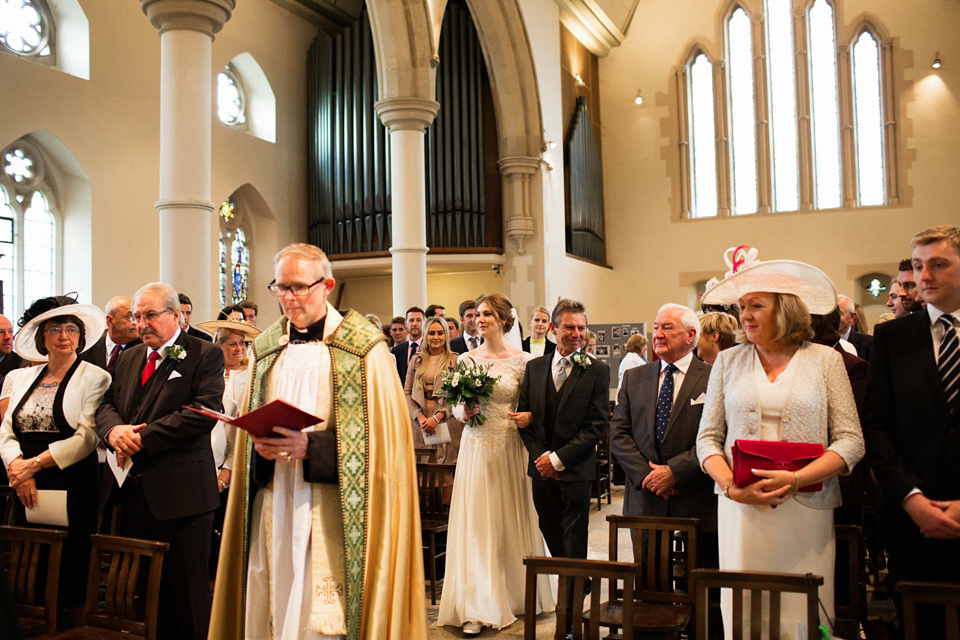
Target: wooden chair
point(426, 455)
point(849, 582)
point(756, 584)
point(577, 572)
point(128, 613)
point(603, 478)
point(663, 594)
point(434, 513)
point(940, 593)
point(7, 494)
point(34, 590)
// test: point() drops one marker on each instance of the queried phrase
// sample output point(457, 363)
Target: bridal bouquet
point(469, 384)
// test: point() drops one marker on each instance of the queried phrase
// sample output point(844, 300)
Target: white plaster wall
point(655, 255)
point(110, 123)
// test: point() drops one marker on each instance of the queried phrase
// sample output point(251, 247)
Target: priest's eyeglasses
point(298, 290)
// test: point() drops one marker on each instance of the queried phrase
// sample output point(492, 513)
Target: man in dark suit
point(8, 359)
point(848, 316)
point(405, 350)
point(653, 434)
point(171, 492)
point(912, 421)
point(121, 334)
point(186, 310)
point(470, 335)
point(908, 287)
point(562, 412)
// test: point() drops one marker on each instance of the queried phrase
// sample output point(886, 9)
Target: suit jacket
point(862, 342)
point(11, 362)
point(400, 353)
point(583, 412)
point(176, 465)
point(911, 437)
point(97, 354)
point(459, 345)
point(199, 333)
point(633, 442)
point(548, 348)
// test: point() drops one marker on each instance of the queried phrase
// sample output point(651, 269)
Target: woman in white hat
point(778, 386)
point(232, 335)
point(47, 438)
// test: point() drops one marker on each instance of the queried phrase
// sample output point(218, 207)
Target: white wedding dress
point(493, 522)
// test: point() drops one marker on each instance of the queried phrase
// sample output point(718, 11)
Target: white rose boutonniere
point(581, 359)
point(174, 352)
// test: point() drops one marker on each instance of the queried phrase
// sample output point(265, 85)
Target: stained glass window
point(223, 273)
point(240, 257)
point(24, 27)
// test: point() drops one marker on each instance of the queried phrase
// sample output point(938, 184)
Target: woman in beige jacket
point(424, 379)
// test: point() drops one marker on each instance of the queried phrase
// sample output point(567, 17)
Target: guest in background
point(636, 352)
point(861, 342)
point(398, 331)
point(424, 379)
point(231, 312)
point(860, 319)
point(405, 350)
point(232, 337)
point(538, 344)
point(909, 296)
point(590, 345)
point(47, 438)
point(250, 311)
point(374, 319)
point(186, 310)
point(453, 327)
point(718, 331)
point(435, 310)
point(8, 359)
point(470, 337)
point(895, 302)
point(778, 386)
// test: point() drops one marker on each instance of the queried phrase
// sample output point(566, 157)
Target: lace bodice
point(498, 426)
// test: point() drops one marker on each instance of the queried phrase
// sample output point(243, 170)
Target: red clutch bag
point(772, 456)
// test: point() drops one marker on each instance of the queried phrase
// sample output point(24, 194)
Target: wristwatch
point(39, 464)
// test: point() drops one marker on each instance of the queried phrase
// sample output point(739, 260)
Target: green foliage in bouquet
point(469, 384)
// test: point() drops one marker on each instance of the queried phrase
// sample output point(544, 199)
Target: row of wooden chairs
point(433, 480)
point(115, 567)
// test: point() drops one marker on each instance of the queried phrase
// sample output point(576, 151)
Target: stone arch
point(261, 101)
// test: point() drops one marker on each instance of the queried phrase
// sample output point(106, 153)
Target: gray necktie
point(473, 342)
point(561, 374)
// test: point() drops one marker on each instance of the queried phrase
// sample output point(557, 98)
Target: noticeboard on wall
point(612, 343)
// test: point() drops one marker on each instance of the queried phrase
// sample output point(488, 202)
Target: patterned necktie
point(114, 354)
point(665, 403)
point(150, 367)
point(949, 363)
point(561, 374)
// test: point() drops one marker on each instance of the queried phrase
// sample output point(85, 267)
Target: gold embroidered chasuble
point(378, 488)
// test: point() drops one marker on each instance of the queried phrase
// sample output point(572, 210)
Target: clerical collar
point(313, 333)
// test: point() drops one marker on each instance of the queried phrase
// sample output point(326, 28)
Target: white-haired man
point(171, 492)
point(328, 544)
point(848, 317)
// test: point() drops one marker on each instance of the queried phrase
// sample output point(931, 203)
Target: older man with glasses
point(171, 491)
point(323, 535)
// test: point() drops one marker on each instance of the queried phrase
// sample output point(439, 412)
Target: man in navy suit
point(186, 310)
point(912, 421)
point(562, 412)
point(171, 492)
point(469, 338)
point(405, 350)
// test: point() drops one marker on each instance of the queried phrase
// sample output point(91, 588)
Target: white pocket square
point(699, 399)
point(174, 375)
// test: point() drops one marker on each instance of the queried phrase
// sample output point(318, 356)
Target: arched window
point(234, 255)
point(26, 29)
point(28, 229)
point(231, 99)
point(810, 128)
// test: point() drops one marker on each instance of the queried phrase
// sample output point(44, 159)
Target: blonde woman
point(718, 331)
point(538, 344)
point(424, 377)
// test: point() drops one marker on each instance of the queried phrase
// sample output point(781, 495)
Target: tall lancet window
point(743, 120)
point(234, 254)
point(868, 117)
point(825, 111)
point(703, 145)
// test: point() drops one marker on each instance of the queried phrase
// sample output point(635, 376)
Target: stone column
point(407, 119)
point(517, 171)
point(186, 112)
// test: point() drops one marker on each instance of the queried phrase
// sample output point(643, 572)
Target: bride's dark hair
point(501, 307)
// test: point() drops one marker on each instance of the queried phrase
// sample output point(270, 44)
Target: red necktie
point(113, 357)
point(150, 368)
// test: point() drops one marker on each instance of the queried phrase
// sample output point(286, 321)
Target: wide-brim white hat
point(803, 280)
point(94, 324)
point(231, 325)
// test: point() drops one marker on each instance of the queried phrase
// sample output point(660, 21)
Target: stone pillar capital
point(523, 165)
point(205, 16)
point(410, 114)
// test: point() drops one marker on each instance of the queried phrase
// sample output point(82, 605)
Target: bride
point(493, 522)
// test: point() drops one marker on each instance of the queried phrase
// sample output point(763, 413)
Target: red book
point(260, 422)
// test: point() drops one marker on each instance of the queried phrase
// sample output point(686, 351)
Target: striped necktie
point(949, 363)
